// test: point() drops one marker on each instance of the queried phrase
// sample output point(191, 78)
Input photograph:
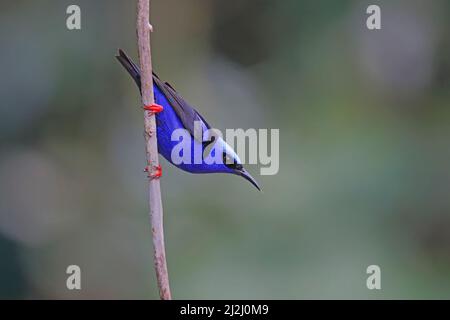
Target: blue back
point(167, 121)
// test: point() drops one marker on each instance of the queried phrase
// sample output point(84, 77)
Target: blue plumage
point(168, 121)
point(179, 114)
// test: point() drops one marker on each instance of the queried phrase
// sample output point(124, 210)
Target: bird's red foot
point(154, 108)
point(157, 173)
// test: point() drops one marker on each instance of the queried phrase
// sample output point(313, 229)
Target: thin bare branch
point(156, 210)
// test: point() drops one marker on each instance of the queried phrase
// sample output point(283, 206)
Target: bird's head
point(231, 163)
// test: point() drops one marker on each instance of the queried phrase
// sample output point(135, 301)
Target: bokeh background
point(364, 176)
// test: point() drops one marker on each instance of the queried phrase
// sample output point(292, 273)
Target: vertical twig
point(156, 211)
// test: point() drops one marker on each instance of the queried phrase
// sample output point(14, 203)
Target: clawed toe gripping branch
point(155, 174)
point(154, 108)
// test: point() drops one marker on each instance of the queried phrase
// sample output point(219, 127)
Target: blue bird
point(178, 114)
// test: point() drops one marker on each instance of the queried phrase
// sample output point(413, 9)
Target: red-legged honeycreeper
point(178, 114)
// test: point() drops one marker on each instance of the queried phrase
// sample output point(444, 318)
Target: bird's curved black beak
point(244, 173)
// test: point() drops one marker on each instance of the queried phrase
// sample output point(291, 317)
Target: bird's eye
point(230, 162)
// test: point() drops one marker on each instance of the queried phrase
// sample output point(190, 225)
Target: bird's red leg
point(154, 108)
point(157, 173)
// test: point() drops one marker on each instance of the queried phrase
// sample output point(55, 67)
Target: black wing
point(131, 67)
point(187, 114)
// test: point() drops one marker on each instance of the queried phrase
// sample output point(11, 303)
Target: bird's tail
point(130, 66)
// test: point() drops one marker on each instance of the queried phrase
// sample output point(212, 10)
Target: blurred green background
point(364, 176)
